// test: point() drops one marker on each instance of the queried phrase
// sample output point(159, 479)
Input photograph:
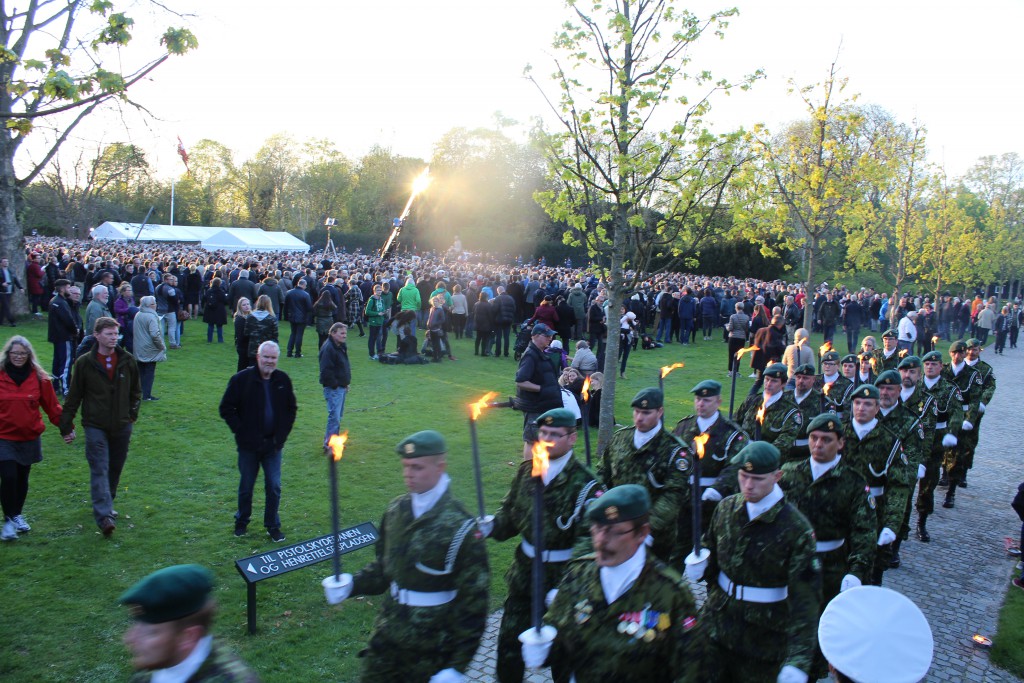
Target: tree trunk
point(809, 300)
point(611, 349)
point(12, 241)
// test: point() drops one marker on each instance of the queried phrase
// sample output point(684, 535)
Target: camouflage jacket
point(970, 384)
point(782, 422)
point(947, 409)
point(838, 506)
point(911, 431)
point(645, 636)
point(220, 666)
point(881, 460)
point(774, 550)
point(813, 405)
point(725, 439)
point(565, 524)
point(880, 363)
point(988, 381)
point(662, 466)
point(837, 394)
point(439, 551)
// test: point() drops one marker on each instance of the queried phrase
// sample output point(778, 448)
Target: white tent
point(213, 238)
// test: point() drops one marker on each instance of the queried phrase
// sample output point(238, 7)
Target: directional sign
point(283, 560)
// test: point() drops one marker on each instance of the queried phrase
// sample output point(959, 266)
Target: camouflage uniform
point(725, 439)
point(947, 409)
point(812, 406)
point(662, 466)
point(747, 641)
point(881, 363)
point(645, 636)
point(916, 440)
point(782, 422)
point(839, 507)
point(836, 394)
point(565, 530)
point(988, 389)
point(440, 551)
point(220, 666)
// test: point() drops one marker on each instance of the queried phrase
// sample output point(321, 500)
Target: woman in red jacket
point(24, 388)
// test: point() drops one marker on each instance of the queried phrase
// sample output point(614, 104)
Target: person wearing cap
point(950, 404)
point(983, 393)
point(968, 380)
point(833, 385)
point(782, 419)
point(620, 614)
point(848, 367)
point(725, 439)
point(763, 577)
point(811, 404)
point(875, 635)
point(568, 487)
point(62, 332)
point(431, 566)
point(537, 389)
point(648, 455)
point(887, 357)
point(865, 373)
point(832, 496)
point(170, 639)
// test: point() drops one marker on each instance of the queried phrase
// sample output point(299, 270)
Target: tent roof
point(228, 239)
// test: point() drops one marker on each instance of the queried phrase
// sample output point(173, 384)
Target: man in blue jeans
point(335, 376)
point(259, 406)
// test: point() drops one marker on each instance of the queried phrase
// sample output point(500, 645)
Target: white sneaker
point(752, 375)
point(10, 531)
point(20, 524)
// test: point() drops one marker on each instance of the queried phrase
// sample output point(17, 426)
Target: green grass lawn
point(60, 619)
point(1008, 650)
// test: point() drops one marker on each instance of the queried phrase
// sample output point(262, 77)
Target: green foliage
point(179, 41)
point(116, 32)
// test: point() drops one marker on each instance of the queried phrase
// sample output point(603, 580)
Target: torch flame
point(760, 414)
point(935, 339)
point(476, 408)
point(700, 440)
point(337, 444)
point(665, 369)
point(827, 388)
point(585, 392)
point(749, 349)
point(825, 348)
point(540, 458)
point(903, 353)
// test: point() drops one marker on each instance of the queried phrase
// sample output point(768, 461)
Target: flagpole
point(172, 202)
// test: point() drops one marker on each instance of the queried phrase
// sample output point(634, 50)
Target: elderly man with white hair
point(149, 344)
point(98, 307)
point(907, 332)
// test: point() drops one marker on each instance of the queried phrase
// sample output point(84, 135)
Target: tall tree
point(53, 66)
point(625, 188)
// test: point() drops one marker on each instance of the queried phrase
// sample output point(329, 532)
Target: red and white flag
point(183, 154)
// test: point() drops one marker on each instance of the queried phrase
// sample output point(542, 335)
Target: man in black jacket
point(259, 406)
point(537, 389)
point(298, 311)
point(335, 376)
point(63, 334)
point(504, 307)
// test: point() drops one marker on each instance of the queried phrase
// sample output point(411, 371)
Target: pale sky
point(401, 73)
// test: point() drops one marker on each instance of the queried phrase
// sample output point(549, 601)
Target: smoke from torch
point(666, 369)
point(540, 458)
point(337, 444)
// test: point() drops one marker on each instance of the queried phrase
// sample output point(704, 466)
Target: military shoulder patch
point(683, 464)
point(798, 418)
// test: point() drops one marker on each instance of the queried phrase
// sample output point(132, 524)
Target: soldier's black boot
point(963, 481)
point(944, 478)
point(894, 561)
point(922, 529)
point(950, 495)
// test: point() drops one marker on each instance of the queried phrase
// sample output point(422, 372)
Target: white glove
point(981, 409)
point(920, 471)
point(712, 495)
point(886, 537)
point(968, 426)
point(485, 524)
point(337, 591)
point(849, 581)
point(791, 674)
point(448, 676)
point(696, 565)
point(949, 441)
point(649, 541)
point(536, 646)
point(550, 597)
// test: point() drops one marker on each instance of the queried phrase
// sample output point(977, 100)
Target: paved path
point(960, 578)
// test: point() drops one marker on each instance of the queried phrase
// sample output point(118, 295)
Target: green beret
point(557, 417)
point(708, 387)
point(888, 378)
point(932, 356)
point(757, 457)
point(650, 398)
point(826, 422)
point(973, 344)
point(909, 362)
point(620, 504)
point(958, 346)
point(866, 355)
point(849, 358)
point(422, 444)
point(832, 356)
point(805, 369)
point(865, 391)
point(170, 593)
point(776, 370)
point(890, 334)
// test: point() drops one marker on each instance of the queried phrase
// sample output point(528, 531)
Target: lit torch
point(665, 370)
point(759, 423)
point(735, 374)
point(935, 340)
point(699, 442)
point(337, 446)
point(904, 353)
point(474, 413)
point(540, 468)
point(822, 350)
point(585, 395)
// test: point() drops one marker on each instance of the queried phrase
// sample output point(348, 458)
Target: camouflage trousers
point(517, 617)
point(926, 487)
point(399, 664)
point(720, 664)
point(883, 553)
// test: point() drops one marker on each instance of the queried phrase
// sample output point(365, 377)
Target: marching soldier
point(865, 372)
point(968, 380)
point(568, 487)
point(724, 440)
point(887, 357)
point(877, 453)
point(835, 500)
point(948, 409)
point(836, 388)
point(811, 404)
point(988, 389)
point(431, 566)
point(764, 580)
point(772, 416)
point(648, 455)
point(620, 614)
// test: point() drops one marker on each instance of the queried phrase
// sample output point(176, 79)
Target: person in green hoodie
point(409, 299)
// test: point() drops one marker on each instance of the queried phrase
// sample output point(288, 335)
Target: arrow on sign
point(250, 569)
